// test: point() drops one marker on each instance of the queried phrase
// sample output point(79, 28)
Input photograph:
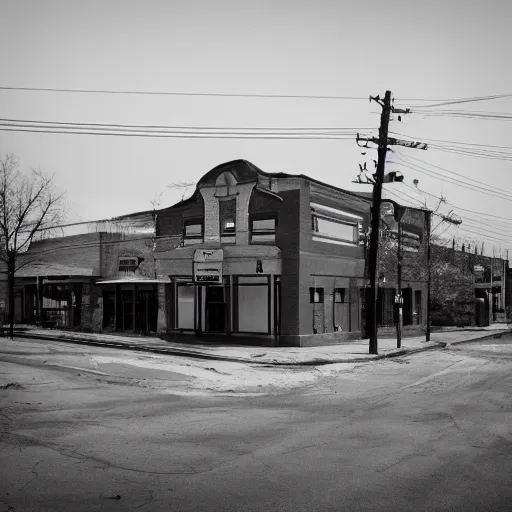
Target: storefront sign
point(208, 266)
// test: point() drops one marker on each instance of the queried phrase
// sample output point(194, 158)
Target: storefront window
point(252, 304)
point(185, 307)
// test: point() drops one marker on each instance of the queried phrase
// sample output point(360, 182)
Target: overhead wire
point(500, 236)
point(454, 181)
point(468, 100)
point(226, 95)
point(481, 183)
point(182, 135)
point(460, 207)
point(170, 127)
point(452, 141)
point(162, 131)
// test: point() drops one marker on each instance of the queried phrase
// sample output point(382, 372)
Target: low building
point(102, 279)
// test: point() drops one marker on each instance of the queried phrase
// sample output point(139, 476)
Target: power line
point(451, 172)
point(502, 116)
point(167, 127)
point(480, 187)
point(489, 156)
point(182, 93)
point(484, 235)
point(182, 135)
point(236, 95)
point(452, 141)
point(468, 100)
point(477, 224)
point(459, 183)
point(459, 207)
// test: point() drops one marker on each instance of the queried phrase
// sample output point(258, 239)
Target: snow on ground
point(221, 376)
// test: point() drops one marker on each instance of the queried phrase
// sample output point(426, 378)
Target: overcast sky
point(437, 50)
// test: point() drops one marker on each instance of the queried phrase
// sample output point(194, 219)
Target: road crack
point(399, 461)
point(34, 472)
point(303, 448)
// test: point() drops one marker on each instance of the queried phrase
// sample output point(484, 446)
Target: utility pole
point(375, 221)
point(429, 279)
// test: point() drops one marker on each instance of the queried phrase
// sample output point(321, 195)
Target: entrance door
point(417, 307)
point(215, 309)
point(407, 306)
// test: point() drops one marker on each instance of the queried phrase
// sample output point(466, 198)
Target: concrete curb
point(184, 352)
point(201, 355)
point(497, 334)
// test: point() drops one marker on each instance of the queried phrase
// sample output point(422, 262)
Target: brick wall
point(169, 222)
point(79, 251)
point(116, 246)
point(262, 203)
point(287, 238)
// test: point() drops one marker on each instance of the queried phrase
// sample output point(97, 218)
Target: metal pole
point(400, 319)
point(427, 336)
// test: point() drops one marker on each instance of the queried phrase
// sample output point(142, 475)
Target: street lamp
point(398, 212)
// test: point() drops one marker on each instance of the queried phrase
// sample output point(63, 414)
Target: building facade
point(272, 256)
point(100, 280)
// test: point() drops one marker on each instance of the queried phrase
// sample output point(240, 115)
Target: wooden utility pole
point(375, 221)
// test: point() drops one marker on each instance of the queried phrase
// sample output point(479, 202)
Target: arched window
point(225, 185)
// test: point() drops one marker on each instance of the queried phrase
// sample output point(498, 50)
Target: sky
point(425, 53)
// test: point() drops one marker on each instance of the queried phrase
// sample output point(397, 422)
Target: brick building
point(102, 279)
point(275, 256)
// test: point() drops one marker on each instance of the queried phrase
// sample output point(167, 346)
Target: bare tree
point(30, 207)
point(184, 186)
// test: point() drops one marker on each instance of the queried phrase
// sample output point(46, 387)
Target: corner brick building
point(275, 256)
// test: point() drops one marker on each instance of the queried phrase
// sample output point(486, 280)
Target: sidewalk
point(347, 352)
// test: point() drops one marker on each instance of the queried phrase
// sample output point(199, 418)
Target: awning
point(133, 281)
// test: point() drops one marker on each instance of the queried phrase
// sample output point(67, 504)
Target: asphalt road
point(90, 429)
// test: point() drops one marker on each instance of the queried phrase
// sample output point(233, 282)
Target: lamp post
point(399, 213)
